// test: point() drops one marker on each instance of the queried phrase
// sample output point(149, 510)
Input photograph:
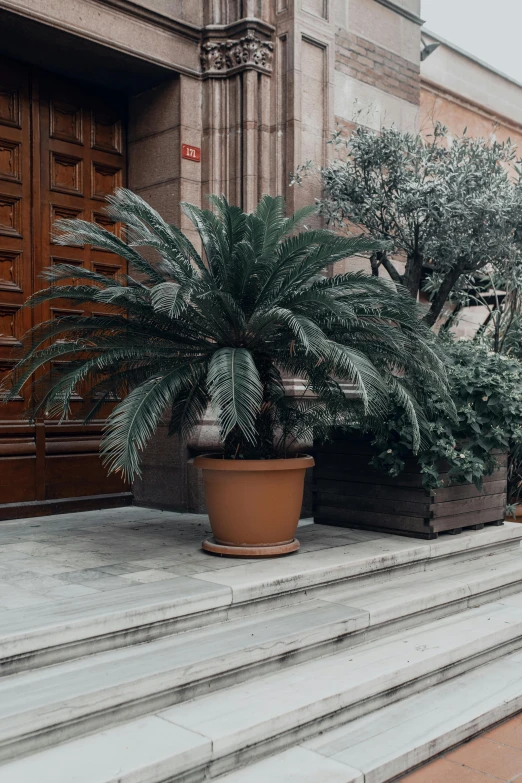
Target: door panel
point(15, 218)
point(17, 436)
point(62, 150)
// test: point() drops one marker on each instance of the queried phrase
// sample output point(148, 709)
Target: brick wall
point(369, 63)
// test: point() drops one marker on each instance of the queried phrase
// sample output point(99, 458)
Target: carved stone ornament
point(222, 58)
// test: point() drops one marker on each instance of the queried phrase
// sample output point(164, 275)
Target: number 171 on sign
point(190, 153)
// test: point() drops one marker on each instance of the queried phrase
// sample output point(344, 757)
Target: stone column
point(160, 120)
point(237, 104)
point(304, 76)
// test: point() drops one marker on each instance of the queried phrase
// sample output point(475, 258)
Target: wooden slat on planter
point(349, 492)
point(497, 475)
point(467, 505)
point(371, 517)
point(367, 503)
point(348, 488)
point(461, 491)
point(467, 520)
point(367, 476)
point(414, 528)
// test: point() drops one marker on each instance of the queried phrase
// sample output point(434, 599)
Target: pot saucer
point(211, 545)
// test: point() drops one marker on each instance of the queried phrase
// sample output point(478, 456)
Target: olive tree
point(450, 208)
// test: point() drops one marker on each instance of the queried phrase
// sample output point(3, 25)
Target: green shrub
point(486, 388)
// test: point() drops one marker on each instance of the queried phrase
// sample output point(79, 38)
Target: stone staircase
point(351, 664)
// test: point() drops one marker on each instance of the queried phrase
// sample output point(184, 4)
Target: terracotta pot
point(253, 505)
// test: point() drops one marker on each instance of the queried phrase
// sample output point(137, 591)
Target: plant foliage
point(486, 388)
point(449, 208)
point(184, 330)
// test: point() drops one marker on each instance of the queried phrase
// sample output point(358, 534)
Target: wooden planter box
point(348, 492)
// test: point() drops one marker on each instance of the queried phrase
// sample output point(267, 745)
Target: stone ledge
point(68, 628)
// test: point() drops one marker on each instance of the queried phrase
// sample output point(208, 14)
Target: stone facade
point(377, 63)
point(258, 86)
point(463, 92)
point(363, 60)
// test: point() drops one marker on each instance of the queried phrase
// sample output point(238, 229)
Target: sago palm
point(225, 327)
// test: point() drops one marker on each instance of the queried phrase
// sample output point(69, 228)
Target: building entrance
point(62, 150)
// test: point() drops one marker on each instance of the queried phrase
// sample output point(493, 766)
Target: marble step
point(71, 628)
point(224, 730)
point(379, 747)
point(68, 699)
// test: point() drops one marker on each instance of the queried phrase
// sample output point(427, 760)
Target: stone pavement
point(72, 555)
point(495, 755)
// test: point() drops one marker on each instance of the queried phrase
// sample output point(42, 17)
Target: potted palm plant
point(183, 331)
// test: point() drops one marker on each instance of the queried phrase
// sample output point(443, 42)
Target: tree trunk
point(442, 295)
point(413, 275)
point(496, 333)
point(392, 271)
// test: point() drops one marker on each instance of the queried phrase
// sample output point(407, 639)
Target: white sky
point(489, 29)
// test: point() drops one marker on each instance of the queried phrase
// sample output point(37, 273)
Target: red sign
point(190, 152)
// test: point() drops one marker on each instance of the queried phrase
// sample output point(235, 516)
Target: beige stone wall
point(121, 27)
point(303, 93)
point(463, 93)
point(153, 147)
point(160, 120)
point(458, 115)
point(459, 74)
point(377, 64)
point(189, 11)
point(383, 25)
point(365, 61)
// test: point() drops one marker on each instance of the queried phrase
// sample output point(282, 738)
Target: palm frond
point(212, 237)
point(80, 232)
point(302, 329)
point(190, 406)
point(133, 422)
point(351, 365)
point(271, 212)
point(235, 390)
point(169, 298)
point(411, 408)
point(146, 227)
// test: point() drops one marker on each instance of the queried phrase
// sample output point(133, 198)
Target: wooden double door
point(62, 150)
